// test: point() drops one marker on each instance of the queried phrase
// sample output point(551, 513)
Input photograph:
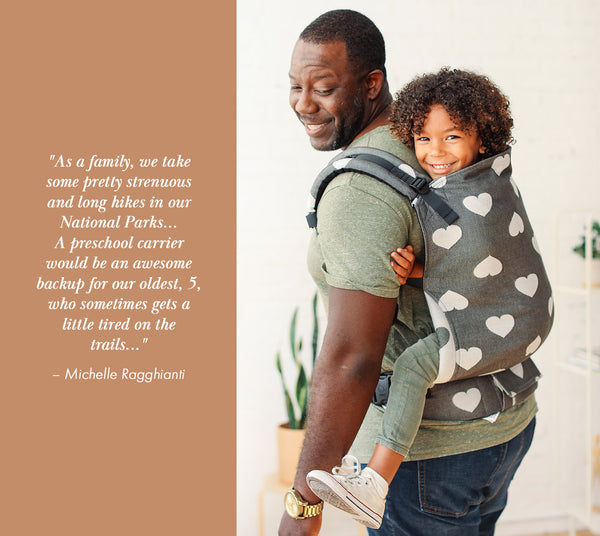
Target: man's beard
point(350, 125)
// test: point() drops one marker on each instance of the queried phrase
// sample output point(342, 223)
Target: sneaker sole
point(332, 492)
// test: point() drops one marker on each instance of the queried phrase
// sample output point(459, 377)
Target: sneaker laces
point(349, 468)
point(351, 472)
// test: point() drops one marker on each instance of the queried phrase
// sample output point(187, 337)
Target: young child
point(452, 119)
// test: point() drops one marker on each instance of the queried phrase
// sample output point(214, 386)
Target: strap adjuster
point(419, 184)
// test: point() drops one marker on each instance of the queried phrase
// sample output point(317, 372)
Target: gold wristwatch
point(298, 508)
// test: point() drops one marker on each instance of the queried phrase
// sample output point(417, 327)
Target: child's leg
point(414, 372)
point(362, 493)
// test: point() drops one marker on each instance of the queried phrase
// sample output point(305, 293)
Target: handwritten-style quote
point(119, 264)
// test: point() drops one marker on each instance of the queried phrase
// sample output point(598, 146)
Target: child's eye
point(422, 139)
point(453, 137)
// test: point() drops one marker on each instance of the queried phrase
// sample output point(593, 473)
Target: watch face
point(291, 505)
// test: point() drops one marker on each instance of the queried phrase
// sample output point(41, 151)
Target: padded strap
point(496, 393)
point(384, 167)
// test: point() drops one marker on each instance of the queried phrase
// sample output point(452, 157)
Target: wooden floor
point(579, 533)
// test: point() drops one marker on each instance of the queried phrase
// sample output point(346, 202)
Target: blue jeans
point(461, 495)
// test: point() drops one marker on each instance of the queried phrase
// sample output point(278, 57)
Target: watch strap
point(307, 510)
point(312, 510)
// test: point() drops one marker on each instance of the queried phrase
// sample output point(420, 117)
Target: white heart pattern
point(501, 326)
point(514, 185)
point(438, 183)
point(446, 238)
point(527, 285)
point(535, 244)
point(452, 300)
point(481, 204)
point(535, 344)
point(489, 266)
point(407, 169)
point(550, 305)
point(500, 164)
point(517, 370)
point(467, 400)
point(467, 359)
point(516, 225)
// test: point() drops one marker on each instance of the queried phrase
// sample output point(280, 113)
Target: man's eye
point(323, 91)
point(295, 88)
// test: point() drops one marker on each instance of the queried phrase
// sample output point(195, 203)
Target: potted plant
point(582, 248)
point(290, 435)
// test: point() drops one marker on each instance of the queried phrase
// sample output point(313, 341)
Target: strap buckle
point(419, 184)
point(381, 394)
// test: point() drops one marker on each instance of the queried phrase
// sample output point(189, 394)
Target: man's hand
point(300, 527)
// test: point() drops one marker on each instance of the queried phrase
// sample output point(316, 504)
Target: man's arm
point(345, 376)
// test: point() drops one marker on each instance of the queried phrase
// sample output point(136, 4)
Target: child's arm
point(403, 263)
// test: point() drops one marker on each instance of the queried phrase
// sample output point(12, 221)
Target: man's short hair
point(365, 46)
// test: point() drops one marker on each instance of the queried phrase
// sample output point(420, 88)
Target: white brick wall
point(542, 53)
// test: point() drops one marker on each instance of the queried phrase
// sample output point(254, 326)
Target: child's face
point(443, 148)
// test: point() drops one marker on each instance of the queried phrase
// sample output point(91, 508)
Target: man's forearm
point(344, 379)
point(340, 397)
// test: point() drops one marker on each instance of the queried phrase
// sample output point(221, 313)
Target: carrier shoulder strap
point(384, 167)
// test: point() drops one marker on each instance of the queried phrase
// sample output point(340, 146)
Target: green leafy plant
point(580, 248)
point(297, 407)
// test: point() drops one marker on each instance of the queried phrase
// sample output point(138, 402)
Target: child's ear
point(482, 149)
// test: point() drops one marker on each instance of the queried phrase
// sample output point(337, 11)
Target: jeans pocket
point(451, 486)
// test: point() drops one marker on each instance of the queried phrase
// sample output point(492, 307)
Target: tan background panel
point(119, 458)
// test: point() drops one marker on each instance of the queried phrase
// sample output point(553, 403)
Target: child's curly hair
point(470, 99)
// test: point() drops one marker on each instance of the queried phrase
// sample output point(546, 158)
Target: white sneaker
point(361, 494)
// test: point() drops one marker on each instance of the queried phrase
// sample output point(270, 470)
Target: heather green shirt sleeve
point(360, 223)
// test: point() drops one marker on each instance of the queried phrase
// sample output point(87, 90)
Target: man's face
point(326, 94)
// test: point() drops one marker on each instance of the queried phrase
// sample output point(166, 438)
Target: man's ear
point(374, 83)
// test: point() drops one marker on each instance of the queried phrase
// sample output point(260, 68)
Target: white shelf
point(581, 360)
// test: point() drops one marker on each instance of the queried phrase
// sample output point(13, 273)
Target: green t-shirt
point(360, 221)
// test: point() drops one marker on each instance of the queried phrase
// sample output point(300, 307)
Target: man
point(339, 91)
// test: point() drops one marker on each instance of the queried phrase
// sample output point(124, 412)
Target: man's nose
point(304, 104)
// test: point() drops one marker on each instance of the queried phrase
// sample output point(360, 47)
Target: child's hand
point(403, 263)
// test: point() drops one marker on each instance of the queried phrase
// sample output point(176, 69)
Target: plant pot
point(594, 272)
point(289, 444)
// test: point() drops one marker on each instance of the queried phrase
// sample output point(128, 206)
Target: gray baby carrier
point(484, 280)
